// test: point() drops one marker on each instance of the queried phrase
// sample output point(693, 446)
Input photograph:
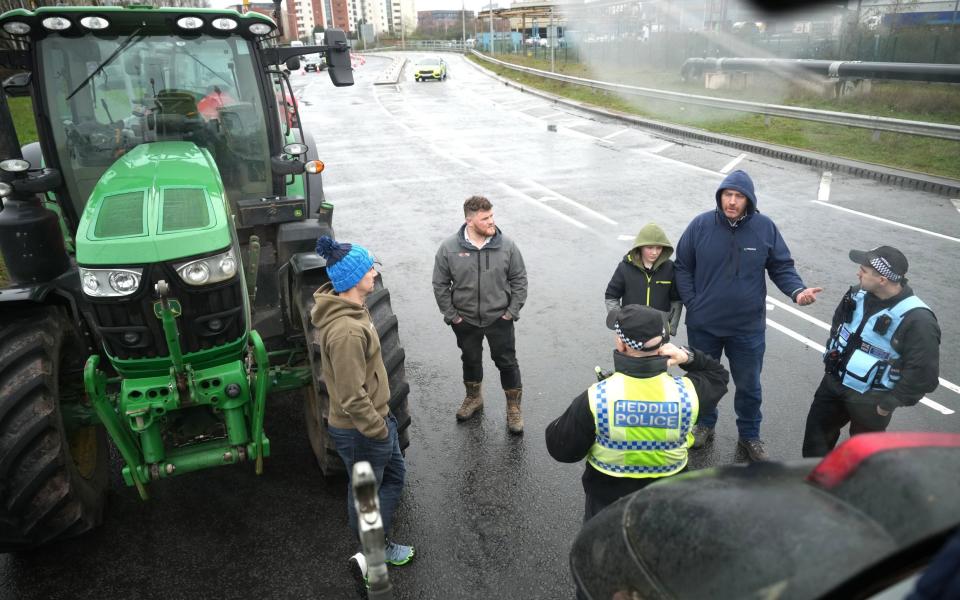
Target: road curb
point(898, 177)
point(391, 75)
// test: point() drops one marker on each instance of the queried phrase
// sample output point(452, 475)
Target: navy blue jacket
point(720, 268)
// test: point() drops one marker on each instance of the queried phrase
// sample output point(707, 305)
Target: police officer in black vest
point(883, 353)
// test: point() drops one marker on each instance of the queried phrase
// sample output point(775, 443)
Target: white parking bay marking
point(546, 207)
point(730, 165)
point(888, 221)
point(610, 136)
point(574, 203)
point(815, 346)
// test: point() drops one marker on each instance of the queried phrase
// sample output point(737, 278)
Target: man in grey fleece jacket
point(480, 284)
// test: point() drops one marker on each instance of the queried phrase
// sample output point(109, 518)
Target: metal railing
point(877, 124)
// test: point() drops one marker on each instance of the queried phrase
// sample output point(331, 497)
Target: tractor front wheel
point(53, 471)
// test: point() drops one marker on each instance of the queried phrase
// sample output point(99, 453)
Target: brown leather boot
point(472, 403)
point(514, 417)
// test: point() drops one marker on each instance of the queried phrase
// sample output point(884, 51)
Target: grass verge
point(914, 153)
point(22, 111)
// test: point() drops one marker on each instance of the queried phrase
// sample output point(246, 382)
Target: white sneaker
point(358, 567)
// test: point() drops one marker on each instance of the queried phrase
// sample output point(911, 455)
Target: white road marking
point(799, 313)
point(956, 203)
point(626, 238)
point(610, 136)
point(815, 346)
point(660, 148)
point(888, 221)
point(512, 190)
point(574, 203)
point(552, 115)
point(823, 193)
point(730, 165)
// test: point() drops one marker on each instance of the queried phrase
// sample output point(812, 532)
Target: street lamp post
point(490, 6)
point(463, 24)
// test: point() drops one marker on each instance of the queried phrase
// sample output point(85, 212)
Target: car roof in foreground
point(798, 528)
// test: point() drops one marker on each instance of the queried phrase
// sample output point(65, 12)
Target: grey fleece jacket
point(479, 285)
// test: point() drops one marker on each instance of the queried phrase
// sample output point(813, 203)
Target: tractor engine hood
point(159, 202)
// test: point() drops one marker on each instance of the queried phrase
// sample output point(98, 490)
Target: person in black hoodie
point(645, 277)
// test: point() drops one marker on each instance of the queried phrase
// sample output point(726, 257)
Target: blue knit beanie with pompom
point(346, 263)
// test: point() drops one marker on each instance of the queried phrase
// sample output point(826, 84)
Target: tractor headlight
point(95, 23)
point(16, 28)
point(15, 165)
point(106, 283)
point(189, 22)
point(260, 29)
point(56, 23)
point(224, 24)
point(212, 269)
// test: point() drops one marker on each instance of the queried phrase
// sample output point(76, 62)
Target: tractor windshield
point(107, 96)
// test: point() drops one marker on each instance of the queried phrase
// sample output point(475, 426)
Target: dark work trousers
point(502, 343)
point(831, 411)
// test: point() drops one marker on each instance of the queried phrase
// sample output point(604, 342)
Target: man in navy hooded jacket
point(721, 261)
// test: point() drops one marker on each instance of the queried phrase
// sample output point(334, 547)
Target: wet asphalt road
point(492, 516)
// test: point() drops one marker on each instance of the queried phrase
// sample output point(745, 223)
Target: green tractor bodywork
point(171, 144)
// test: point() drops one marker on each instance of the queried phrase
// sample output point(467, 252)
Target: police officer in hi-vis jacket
point(635, 426)
point(883, 353)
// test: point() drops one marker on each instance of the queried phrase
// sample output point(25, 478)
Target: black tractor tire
point(53, 481)
point(317, 399)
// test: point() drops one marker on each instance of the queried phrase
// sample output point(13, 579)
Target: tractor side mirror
point(338, 57)
point(17, 86)
point(293, 64)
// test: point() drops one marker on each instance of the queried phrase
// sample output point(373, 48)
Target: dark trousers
point(502, 343)
point(386, 461)
point(830, 412)
point(745, 353)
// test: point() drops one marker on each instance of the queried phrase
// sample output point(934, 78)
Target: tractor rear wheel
point(53, 471)
point(317, 401)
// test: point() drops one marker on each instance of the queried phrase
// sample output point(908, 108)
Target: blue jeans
point(385, 459)
point(745, 353)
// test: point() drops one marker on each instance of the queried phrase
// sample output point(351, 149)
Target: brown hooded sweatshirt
point(352, 364)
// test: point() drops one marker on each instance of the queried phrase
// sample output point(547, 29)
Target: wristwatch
point(689, 352)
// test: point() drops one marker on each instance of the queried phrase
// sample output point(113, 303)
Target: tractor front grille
point(212, 315)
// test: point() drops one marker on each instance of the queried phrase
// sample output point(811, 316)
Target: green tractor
point(159, 242)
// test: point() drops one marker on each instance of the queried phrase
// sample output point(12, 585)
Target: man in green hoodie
point(645, 277)
point(360, 423)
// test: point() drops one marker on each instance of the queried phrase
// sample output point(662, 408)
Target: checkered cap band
point(883, 267)
point(631, 343)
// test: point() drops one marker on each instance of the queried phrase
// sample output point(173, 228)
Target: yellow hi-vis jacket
point(644, 425)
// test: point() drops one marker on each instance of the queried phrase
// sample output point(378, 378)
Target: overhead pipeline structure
point(838, 69)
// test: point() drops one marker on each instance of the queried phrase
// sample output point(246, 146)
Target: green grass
point(22, 111)
point(899, 100)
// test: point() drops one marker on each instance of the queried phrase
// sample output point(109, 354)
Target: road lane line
point(660, 148)
point(826, 326)
point(545, 207)
point(956, 204)
point(574, 203)
point(730, 165)
point(616, 133)
point(823, 193)
point(799, 313)
point(888, 221)
point(815, 346)
point(626, 238)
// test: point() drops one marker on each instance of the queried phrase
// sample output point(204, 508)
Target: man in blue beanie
point(359, 422)
point(721, 264)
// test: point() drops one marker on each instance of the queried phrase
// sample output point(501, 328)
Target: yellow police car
point(431, 67)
